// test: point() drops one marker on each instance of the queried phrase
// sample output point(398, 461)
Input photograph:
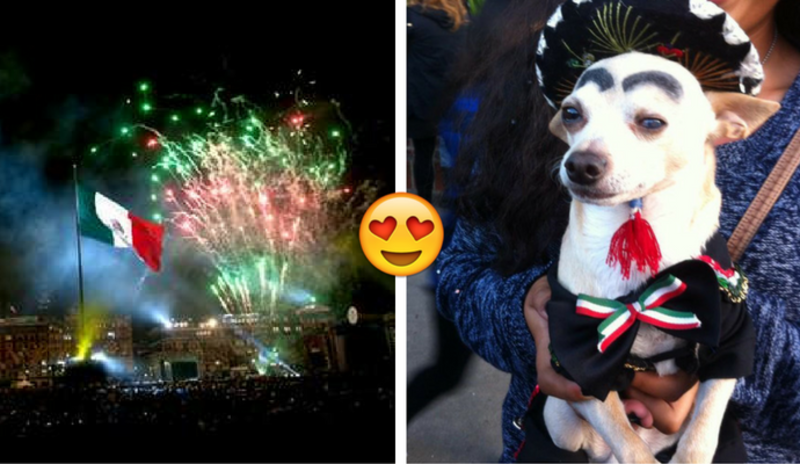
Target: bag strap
point(765, 199)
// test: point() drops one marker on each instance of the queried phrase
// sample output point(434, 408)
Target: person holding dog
point(513, 214)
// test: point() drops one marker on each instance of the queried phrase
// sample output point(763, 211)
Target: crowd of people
point(253, 418)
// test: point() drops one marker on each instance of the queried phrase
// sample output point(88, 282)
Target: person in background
point(512, 214)
point(452, 356)
point(435, 33)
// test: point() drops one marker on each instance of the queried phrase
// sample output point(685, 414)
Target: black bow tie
point(574, 333)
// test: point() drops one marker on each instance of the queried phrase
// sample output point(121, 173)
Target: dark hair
point(787, 17)
point(508, 142)
point(456, 10)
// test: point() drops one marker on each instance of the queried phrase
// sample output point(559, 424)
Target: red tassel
point(634, 242)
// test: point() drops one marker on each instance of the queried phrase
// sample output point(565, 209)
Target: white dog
point(640, 126)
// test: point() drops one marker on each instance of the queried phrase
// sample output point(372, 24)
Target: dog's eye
point(652, 123)
point(570, 115)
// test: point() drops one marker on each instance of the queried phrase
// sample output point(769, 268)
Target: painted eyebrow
point(599, 76)
point(660, 79)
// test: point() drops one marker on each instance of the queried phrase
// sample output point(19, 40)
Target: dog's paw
point(650, 459)
point(696, 455)
point(634, 454)
point(647, 460)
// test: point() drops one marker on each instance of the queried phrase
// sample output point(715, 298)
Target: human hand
point(668, 417)
point(550, 382)
point(670, 388)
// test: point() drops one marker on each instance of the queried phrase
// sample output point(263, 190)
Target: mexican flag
point(108, 222)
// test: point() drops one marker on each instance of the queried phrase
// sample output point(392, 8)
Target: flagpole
point(80, 262)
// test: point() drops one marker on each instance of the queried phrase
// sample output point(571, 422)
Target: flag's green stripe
point(89, 222)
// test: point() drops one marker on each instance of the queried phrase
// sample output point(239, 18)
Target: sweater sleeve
point(769, 398)
point(487, 307)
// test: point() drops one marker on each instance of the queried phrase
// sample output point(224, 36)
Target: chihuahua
point(639, 126)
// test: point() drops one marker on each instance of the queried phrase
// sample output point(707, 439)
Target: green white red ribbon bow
point(619, 317)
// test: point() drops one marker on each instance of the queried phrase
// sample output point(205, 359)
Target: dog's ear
point(557, 127)
point(738, 115)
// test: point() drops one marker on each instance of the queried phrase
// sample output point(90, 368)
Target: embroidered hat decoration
point(694, 33)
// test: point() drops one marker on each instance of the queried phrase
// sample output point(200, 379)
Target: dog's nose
point(585, 167)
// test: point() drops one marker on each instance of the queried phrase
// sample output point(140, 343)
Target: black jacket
point(432, 48)
point(726, 337)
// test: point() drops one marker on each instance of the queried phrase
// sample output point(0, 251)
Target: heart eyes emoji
point(385, 229)
point(401, 234)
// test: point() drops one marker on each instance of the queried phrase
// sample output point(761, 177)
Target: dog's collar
point(685, 357)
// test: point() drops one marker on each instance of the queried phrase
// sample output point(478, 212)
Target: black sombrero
point(695, 33)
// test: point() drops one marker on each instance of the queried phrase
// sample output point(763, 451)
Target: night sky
point(63, 79)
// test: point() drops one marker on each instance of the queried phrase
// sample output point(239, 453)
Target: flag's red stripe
point(147, 241)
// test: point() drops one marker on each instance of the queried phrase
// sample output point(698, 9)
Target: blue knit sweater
point(487, 307)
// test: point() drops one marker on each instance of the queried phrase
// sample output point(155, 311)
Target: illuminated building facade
point(35, 349)
point(239, 345)
point(113, 335)
point(29, 346)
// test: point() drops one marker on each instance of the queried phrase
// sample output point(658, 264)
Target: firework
point(266, 205)
point(263, 193)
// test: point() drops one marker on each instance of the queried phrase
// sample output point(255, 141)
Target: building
point(29, 346)
point(307, 340)
point(186, 350)
point(366, 343)
point(112, 335)
point(287, 344)
point(317, 325)
point(37, 348)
